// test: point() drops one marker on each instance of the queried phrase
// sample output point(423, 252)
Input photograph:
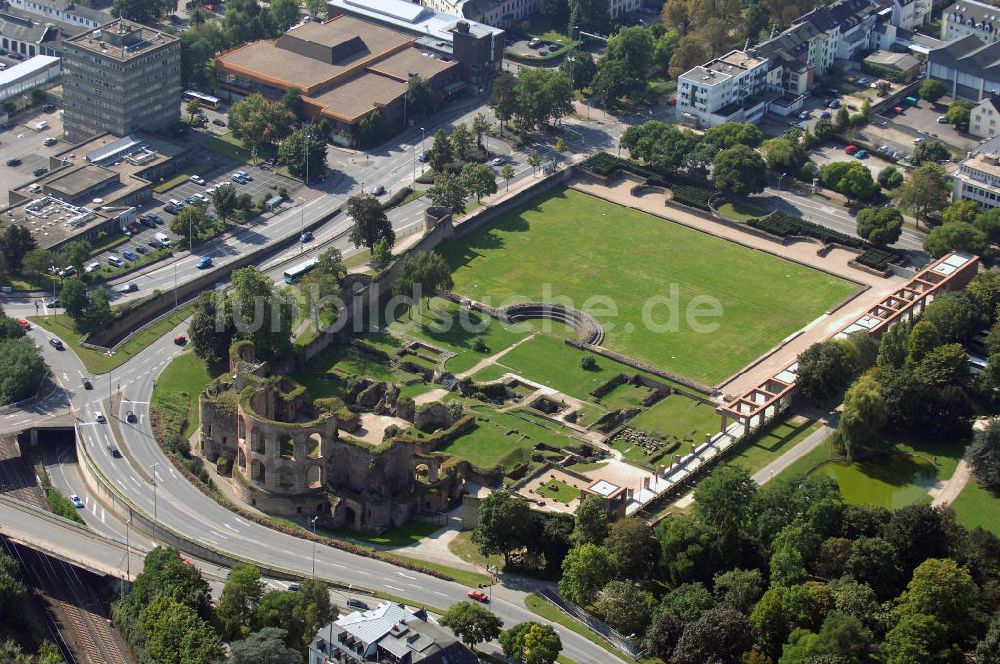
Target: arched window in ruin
point(256, 441)
point(257, 471)
point(314, 476)
point(243, 460)
point(241, 428)
point(286, 447)
point(314, 446)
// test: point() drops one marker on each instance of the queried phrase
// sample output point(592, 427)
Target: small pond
point(892, 480)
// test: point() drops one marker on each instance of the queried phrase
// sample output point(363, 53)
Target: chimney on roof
point(462, 26)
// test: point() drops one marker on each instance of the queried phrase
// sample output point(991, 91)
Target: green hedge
point(779, 223)
point(686, 191)
point(878, 259)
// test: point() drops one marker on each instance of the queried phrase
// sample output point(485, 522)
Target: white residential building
point(978, 176)
point(507, 13)
point(984, 119)
point(909, 14)
point(726, 89)
point(971, 17)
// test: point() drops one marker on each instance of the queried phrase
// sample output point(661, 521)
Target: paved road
point(177, 503)
point(811, 442)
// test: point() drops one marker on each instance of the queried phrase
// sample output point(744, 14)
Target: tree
point(257, 122)
point(37, 262)
point(441, 153)
point(689, 52)
point(823, 129)
point(472, 623)
point(663, 637)
point(624, 607)
point(943, 366)
point(586, 569)
point(74, 254)
point(73, 298)
point(918, 532)
point(958, 114)
point(932, 90)
point(964, 211)
point(15, 243)
point(890, 177)
point(370, 221)
point(926, 192)
point(240, 596)
point(842, 118)
point(211, 329)
point(479, 179)
point(9, 328)
point(632, 546)
point(98, 314)
point(988, 650)
point(739, 589)
point(461, 141)
point(580, 67)
point(739, 171)
point(292, 100)
point(505, 524)
point(424, 273)
point(592, 519)
point(141, 11)
point(943, 590)
point(531, 643)
point(304, 152)
point(21, 369)
point(534, 160)
point(448, 192)
point(729, 134)
point(919, 639)
point(480, 127)
point(553, 8)
point(865, 414)
point(420, 96)
point(930, 151)
point(261, 313)
point(852, 179)
point(955, 315)
point(880, 226)
point(503, 97)
point(623, 68)
point(542, 95)
point(192, 224)
point(984, 454)
point(224, 200)
point(591, 16)
point(782, 155)
point(266, 646)
point(825, 369)
point(173, 632)
point(720, 636)
point(686, 602)
point(955, 237)
point(723, 499)
point(842, 637)
point(507, 173)
point(663, 145)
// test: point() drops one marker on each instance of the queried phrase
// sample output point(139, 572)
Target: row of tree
point(20, 634)
point(168, 617)
point(524, 643)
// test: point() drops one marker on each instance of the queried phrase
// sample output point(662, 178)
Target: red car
point(898, 109)
point(180, 340)
point(25, 325)
point(134, 229)
point(850, 149)
point(478, 595)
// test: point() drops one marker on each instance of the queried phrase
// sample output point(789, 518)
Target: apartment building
point(910, 14)
point(39, 27)
point(121, 78)
point(971, 17)
point(742, 85)
point(984, 119)
point(978, 176)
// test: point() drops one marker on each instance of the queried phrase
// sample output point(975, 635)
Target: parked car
point(180, 340)
point(67, 271)
point(55, 343)
point(14, 161)
point(190, 200)
point(499, 161)
point(23, 324)
point(197, 179)
point(141, 249)
point(942, 120)
point(834, 104)
point(147, 222)
point(861, 154)
point(825, 115)
point(50, 141)
point(357, 604)
point(423, 156)
point(378, 190)
point(154, 243)
point(130, 255)
point(87, 385)
point(40, 171)
point(126, 232)
point(478, 595)
point(918, 141)
point(114, 261)
point(535, 42)
point(803, 115)
point(75, 499)
point(898, 109)
point(218, 122)
point(850, 150)
point(134, 229)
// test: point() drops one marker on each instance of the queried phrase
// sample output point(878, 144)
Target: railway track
point(75, 620)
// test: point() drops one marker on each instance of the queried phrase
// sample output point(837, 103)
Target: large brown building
point(346, 69)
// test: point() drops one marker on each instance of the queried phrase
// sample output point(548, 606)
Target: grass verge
point(465, 577)
point(542, 607)
point(99, 363)
point(61, 506)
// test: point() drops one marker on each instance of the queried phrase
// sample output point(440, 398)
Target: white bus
point(293, 274)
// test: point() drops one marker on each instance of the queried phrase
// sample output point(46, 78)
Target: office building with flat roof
point(120, 78)
point(346, 69)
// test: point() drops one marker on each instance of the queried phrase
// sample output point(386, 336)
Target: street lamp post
point(423, 135)
point(175, 285)
point(314, 547)
point(152, 476)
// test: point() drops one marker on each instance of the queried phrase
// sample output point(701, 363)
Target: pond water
point(893, 480)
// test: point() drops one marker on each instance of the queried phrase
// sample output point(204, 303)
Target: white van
point(163, 239)
point(41, 126)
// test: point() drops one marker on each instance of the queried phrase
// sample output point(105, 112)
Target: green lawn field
point(186, 375)
point(678, 416)
point(574, 246)
point(781, 438)
point(978, 506)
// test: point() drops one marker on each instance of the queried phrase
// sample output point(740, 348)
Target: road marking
point(135, 481)
point(218, 534)
point(394, 588)
point(439, 593)
point(230, 527)
point(361, 571)
point(406, 576)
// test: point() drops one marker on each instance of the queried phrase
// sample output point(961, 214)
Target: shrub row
point(779, 223)
point(686, 190)
point(693, 196)
point(878, 259)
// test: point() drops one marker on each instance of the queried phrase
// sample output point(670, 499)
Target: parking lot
point(922, 118)
point(833, 152)
point(22, 141)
